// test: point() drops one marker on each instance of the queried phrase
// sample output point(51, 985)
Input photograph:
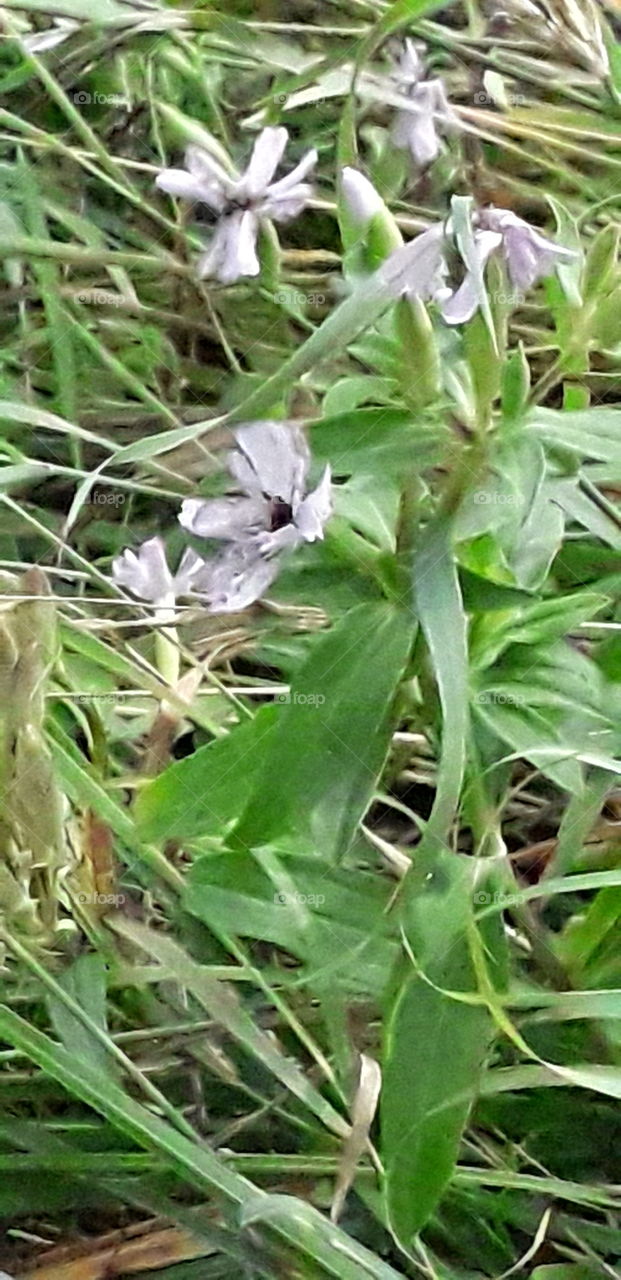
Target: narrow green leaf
point(441, 614)
point(202, 794)
point(322, 765)
point(433, 1049)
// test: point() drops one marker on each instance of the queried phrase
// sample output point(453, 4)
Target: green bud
point(419, 369)
point(367, 225)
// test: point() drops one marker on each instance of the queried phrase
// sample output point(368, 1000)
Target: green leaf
point(334, 920)
point(221, 1002)
point(590, 433)
point(85, 982)
point(322, 766)
point(201, 795)
point(434, 1047)
point(441, 614)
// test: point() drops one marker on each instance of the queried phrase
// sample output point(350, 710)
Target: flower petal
point(237, 578)
point(230, 518)
point(285, 185)
point(287, 206)
point(418, 268)
point(202, 165)
point(145, 573)
point(416, 129)
point(315, 509)
point(178, 182)
point(446, 117)
point(277, 540)
point(408, 68)
point(465, 300)
point(190, 568)
point(266, 156)
point(232, 252)
point(529, 254)
point(278, 456)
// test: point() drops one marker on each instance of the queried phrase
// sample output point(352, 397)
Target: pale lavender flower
point(420, 269)
point(529, 256)
point(272, 514)
point(426, 113)
point(270, 465)
point(146, 574)
point(240, 201)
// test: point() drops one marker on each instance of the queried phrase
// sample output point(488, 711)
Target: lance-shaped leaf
point(434, 1044)
point(322, 764)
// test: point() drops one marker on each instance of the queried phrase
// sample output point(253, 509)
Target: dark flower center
point(281, 514)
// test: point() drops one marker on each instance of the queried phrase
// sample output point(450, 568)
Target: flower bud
point(367, 225)
point(361, 198)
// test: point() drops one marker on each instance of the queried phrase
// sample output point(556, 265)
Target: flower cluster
point(271, 513)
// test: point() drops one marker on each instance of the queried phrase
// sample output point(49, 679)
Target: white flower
point(273, 514)
point(146, 574)
point(420, 269)
point(241, 202)
point(426, 112)
point(270, 465)
point(528, 255)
